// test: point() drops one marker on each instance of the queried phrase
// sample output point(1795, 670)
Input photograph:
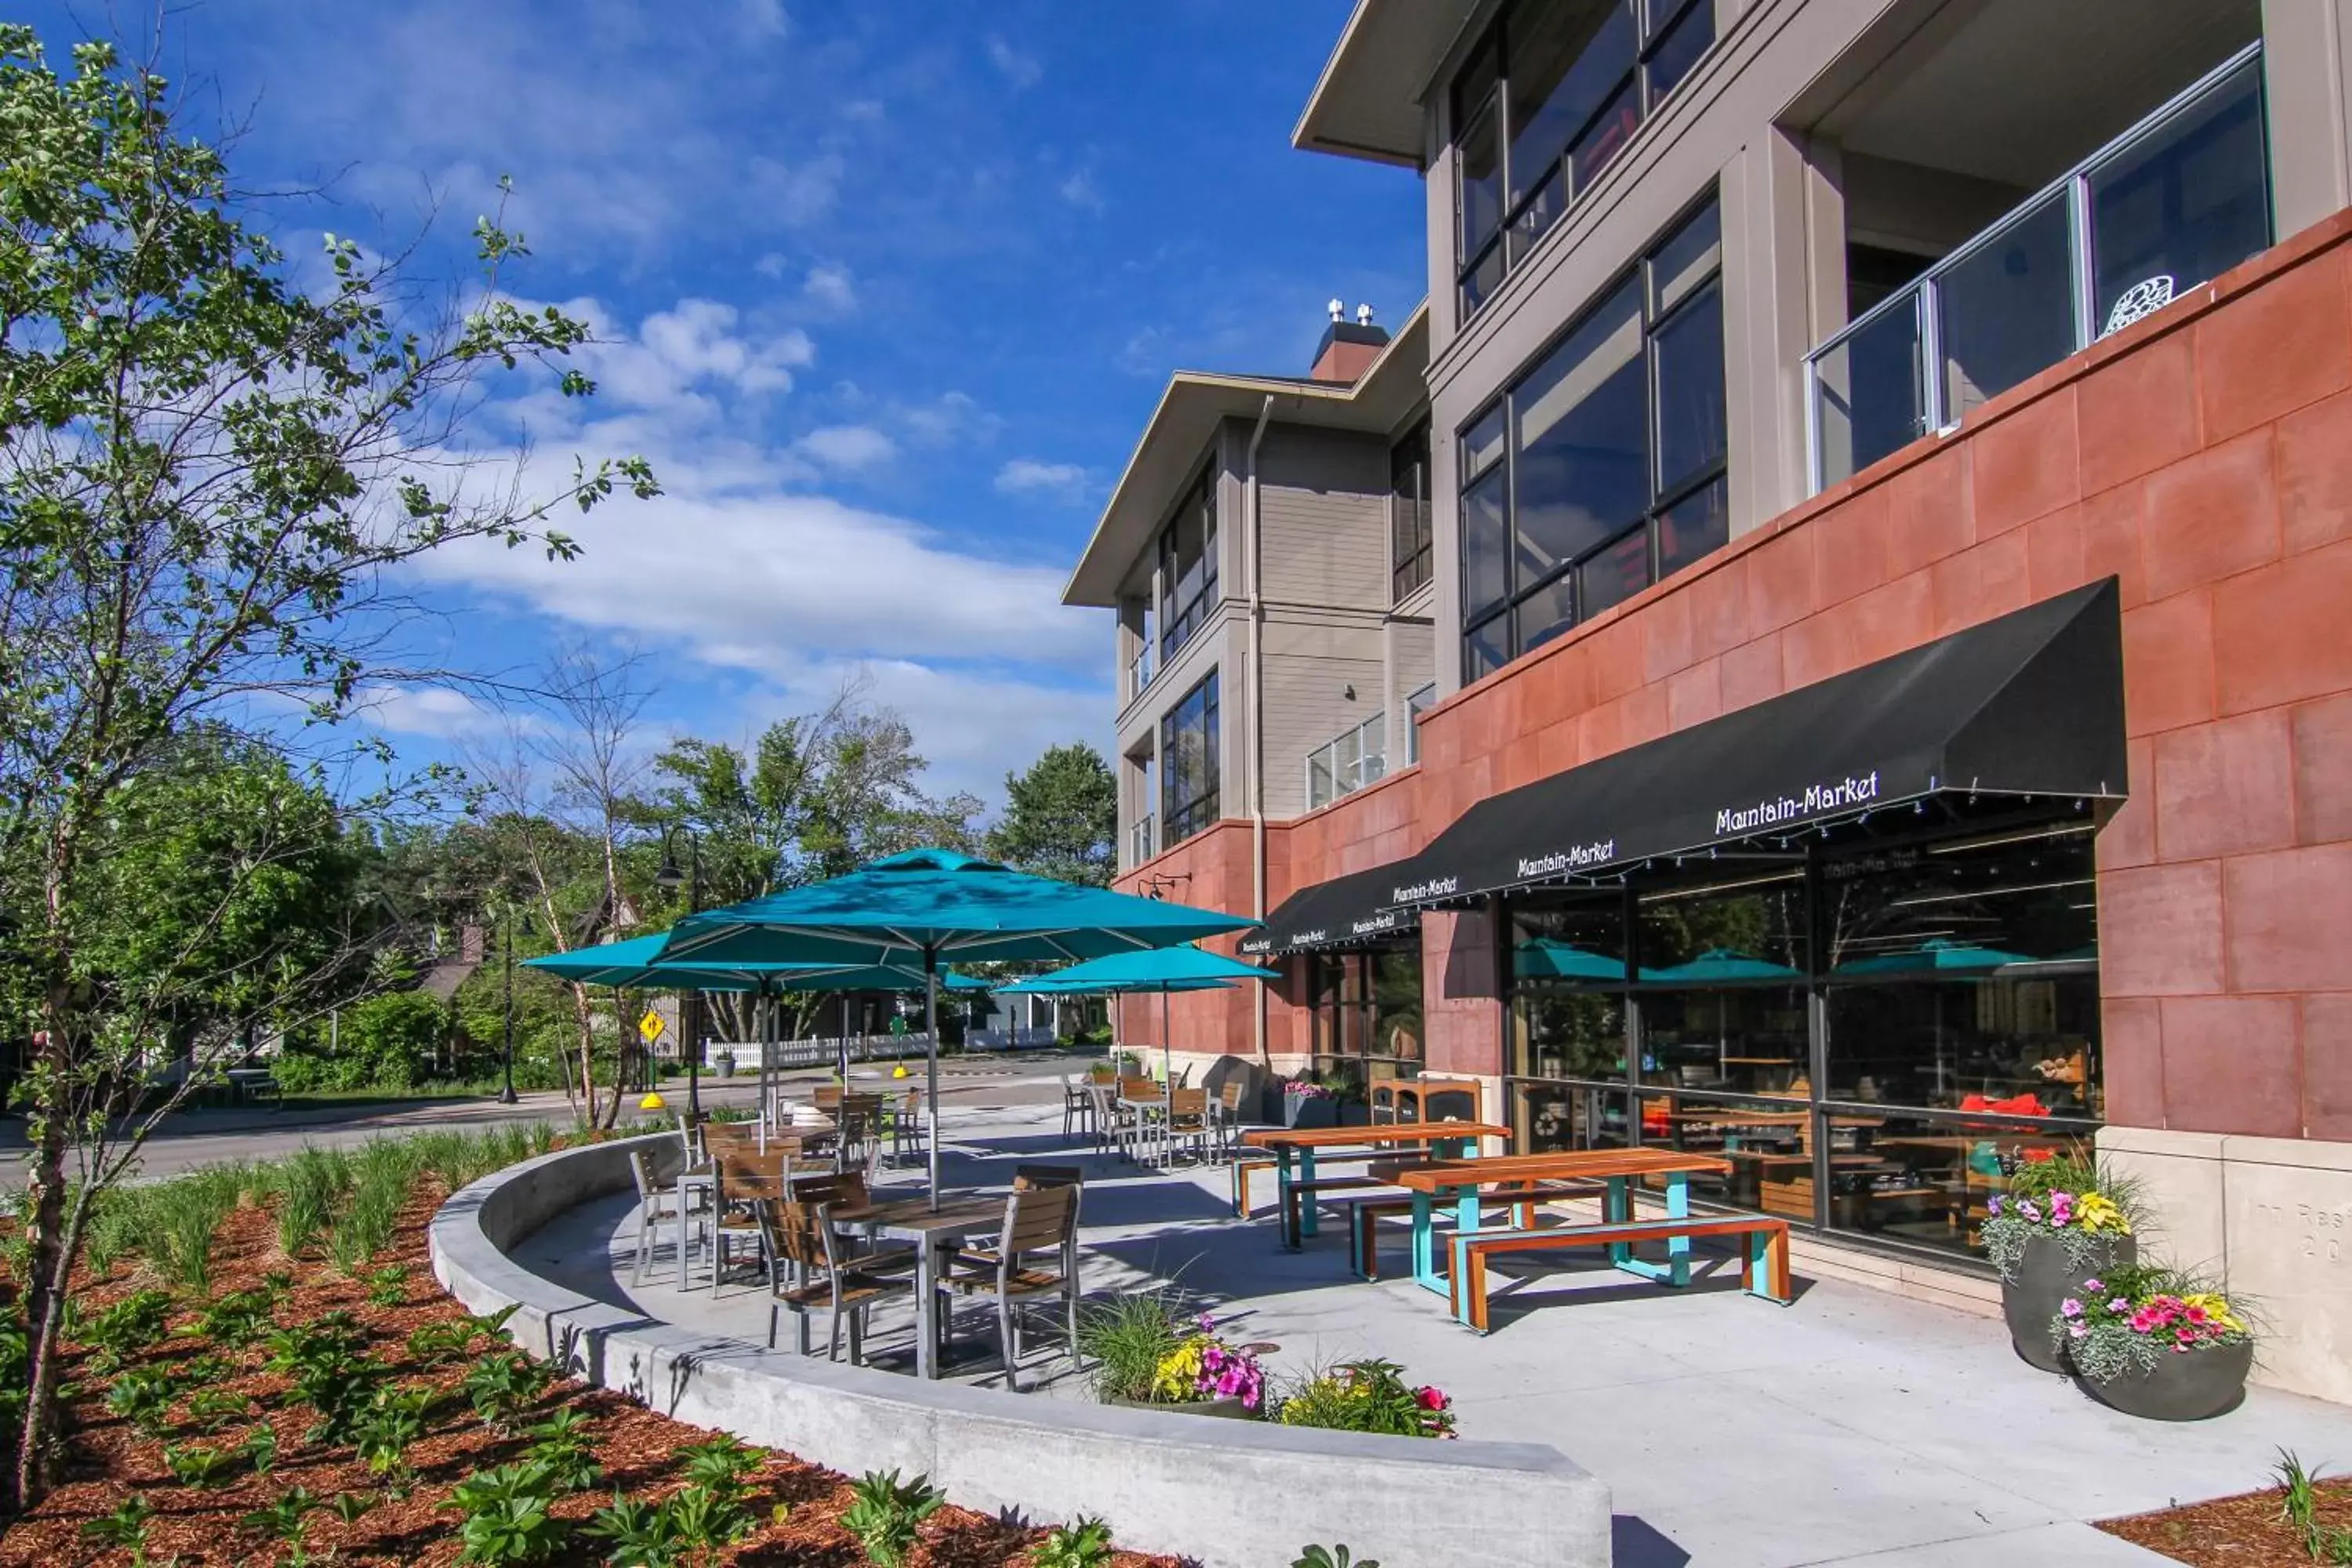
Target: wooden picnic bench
point(1763, 1262)
point(1296, 1151)
point(1364, 1215)
point(1248, 1166)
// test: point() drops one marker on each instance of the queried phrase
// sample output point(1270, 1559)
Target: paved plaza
point(1852, 1427)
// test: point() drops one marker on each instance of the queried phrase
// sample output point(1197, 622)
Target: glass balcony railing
point(1139, 841)
point(1414, 706)
point(2178, 199)
point(1139, 671)
point(1347, 763)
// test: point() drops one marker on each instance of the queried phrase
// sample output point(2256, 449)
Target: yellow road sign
point(650, 1028)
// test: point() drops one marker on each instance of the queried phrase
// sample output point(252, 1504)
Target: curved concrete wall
point(1230, 1494)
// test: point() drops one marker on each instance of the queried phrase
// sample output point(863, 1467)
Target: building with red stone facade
point(1889, 617)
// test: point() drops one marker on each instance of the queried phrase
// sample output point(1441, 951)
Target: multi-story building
point(1888, 508)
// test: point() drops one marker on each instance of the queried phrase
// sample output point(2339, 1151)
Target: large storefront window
point(1554, 92)
point(1368, 1023)
point(1603, 469)
point(1188, 565)
point(1872, 1040)
point(1188, 764)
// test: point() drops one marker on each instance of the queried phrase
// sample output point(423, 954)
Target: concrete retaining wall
point(1230, 1494)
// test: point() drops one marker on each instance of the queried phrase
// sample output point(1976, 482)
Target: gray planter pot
point(2030, 1300)
point(2193, 1386)
point(1300, 1111)
point(1354, 1113)
point(1230, 1408)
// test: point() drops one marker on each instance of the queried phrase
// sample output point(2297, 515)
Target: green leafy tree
point(210, 479)
point(1061, 817)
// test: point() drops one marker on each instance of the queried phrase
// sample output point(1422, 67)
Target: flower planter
point(1230, 1408)
point(726, 1065)
point(1354, 1113)
point(2191, 1385)
point(2044, 1279)
point(1303, 1111)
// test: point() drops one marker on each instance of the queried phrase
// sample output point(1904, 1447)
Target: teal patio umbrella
point(929, 905)
point(1718, 967)
point(637, 965)
point(1166, 969)
point(1937, 957)
point(1548, 958)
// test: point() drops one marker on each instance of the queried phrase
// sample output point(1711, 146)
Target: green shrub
point(391, 1040)
point(886, 1515)
point(1084, 1542)
point(1367, 1397)
point(116, 1333)
point(507, 1517)
point(635, 1535)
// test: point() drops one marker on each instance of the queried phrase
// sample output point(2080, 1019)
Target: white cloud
point(847, 448)
point(1079, 191)
point(830, 288)
point(764, 18)
point(952, 418)
point(436, 712)
point(1026, 476)
point(772, 264)
point(1023, 71)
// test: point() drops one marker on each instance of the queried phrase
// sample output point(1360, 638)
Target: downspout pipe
point(1252, 556)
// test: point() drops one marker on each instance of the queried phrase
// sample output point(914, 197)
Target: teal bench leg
point(1306, 1210)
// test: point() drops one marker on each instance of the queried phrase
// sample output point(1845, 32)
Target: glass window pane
point(1928, 1181)
point(1598, 146)
point(1722, 933)
point(1564, 1031)
point(1685, 258)
point(1616, 574)
point(1565, 62)
point(1672, 58)
point(1547, 612)
point(1478, 284)
point(1484, 443)
point(1691, 417)
point(1694, 527)
point(1482, 651)
point(1563, 938)
point(1741, 1039)
point(2184, 206)
point(1867, 394)
point(1538, 216)
point(1582, 420)
point(1485, 544)
point(1480, 173)
point(2008, 309)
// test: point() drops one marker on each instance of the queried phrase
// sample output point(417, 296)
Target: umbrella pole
point(931, 1090)
point(843, 1018)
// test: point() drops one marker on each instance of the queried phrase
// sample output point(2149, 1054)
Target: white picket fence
point(817, 1052)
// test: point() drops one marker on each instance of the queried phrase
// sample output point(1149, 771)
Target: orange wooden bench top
point(1569, 1165)
point(1386, 1132)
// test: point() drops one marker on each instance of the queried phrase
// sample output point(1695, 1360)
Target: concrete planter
point(2029, 1299)
point(2194, 1386)
point(1230, 1408)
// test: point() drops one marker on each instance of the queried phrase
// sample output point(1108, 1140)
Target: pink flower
point(2071, 1307)
point(1431, 1398)
point(2080, 1330)
point(2093, 1285)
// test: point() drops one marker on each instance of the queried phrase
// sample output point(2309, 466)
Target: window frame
point(1179, 820)
point(1409, 569)
point(1655, 22)
point(1480, 623)
point(1179, 623)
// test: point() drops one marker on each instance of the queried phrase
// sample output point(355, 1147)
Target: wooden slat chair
point(1140, 1123)
point(827, 1097)
point(657, 1204)
point(1187, 1121)
point(746, 1180)
point(1078, 1108)
point(1114, 1122)
point(1763, 1260)
point(907, 1126)
point(1036, 1219)
point(860, 1117)
point(1035, 1178)
point(1226, 1120)
point(819, 1277)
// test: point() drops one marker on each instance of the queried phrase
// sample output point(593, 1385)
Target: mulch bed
point(796, 1505)
point(2233, 1531)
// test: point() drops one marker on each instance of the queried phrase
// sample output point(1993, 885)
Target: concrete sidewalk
point(1852, 1427)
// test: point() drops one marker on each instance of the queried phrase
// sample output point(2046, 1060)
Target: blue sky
point(891, 287)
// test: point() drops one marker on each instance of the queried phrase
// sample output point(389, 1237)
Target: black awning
point(1345, 912)
point(2028, 704)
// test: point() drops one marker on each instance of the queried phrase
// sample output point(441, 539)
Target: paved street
point(210, 1137)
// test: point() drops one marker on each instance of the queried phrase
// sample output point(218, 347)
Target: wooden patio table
point(934, 1231)
point(1460, 1181)
point(1294, 1143)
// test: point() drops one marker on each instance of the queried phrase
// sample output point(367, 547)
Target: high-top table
point(1460, 1181)
point(1439, 1140)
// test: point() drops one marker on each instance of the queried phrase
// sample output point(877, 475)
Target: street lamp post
point(505, 951)
point(668, 877)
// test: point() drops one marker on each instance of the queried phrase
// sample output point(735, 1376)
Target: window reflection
point(1368, 1021)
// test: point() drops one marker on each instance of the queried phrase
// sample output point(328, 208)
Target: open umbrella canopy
point(637, 965)
point(1937, 955)
point(1717, 965)
point(938, 902)
point(1547, 958)
point(1182, 968)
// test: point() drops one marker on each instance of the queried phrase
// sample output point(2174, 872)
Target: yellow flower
point(2097, 1213)
point(2217, 1312)
point(1178, 1374)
